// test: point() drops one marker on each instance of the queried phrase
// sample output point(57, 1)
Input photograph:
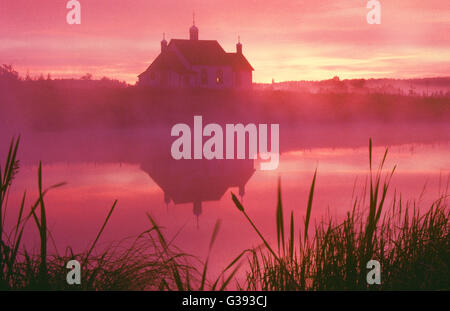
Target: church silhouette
point(194, 63)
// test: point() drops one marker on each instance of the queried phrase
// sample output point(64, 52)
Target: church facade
point(197, 63)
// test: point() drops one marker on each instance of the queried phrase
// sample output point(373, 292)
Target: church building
point(197, 63)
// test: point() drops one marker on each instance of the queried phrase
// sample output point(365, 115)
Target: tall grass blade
point(309, 207)
point(279, 218)
point(99, 233)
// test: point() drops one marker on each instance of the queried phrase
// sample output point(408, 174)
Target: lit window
point(219, 77)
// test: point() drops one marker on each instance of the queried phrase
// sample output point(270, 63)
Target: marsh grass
point(413, 247)
point(146, 262)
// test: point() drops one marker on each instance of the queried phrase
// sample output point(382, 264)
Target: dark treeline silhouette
point(72, 104)
point(425, 87)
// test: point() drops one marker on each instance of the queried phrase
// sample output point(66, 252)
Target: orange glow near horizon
point(283, 40)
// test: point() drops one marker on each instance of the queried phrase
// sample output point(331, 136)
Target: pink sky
point(284, 40)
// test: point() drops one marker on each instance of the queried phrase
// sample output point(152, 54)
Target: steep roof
point(238, 61)
point(209, 52)
point(200, 52)
point(197, 52)
point(168, 60)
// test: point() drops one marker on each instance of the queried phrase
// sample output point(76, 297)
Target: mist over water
point(113, 142)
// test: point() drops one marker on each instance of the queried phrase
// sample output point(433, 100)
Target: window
point(219, 77)
point(204, 77)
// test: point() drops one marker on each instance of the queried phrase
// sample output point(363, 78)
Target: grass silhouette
point(412, 247)
point(145, 262)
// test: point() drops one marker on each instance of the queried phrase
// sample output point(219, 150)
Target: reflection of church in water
point(197, 181)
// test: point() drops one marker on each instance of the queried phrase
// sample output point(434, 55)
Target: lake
point(187, 198)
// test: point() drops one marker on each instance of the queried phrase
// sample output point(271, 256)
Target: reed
point(146, 262)
point(412, 246)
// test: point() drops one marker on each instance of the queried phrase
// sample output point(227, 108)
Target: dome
point(193, 32)
point(163, 43)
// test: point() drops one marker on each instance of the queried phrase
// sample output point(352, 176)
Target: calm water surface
point(131, 168)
